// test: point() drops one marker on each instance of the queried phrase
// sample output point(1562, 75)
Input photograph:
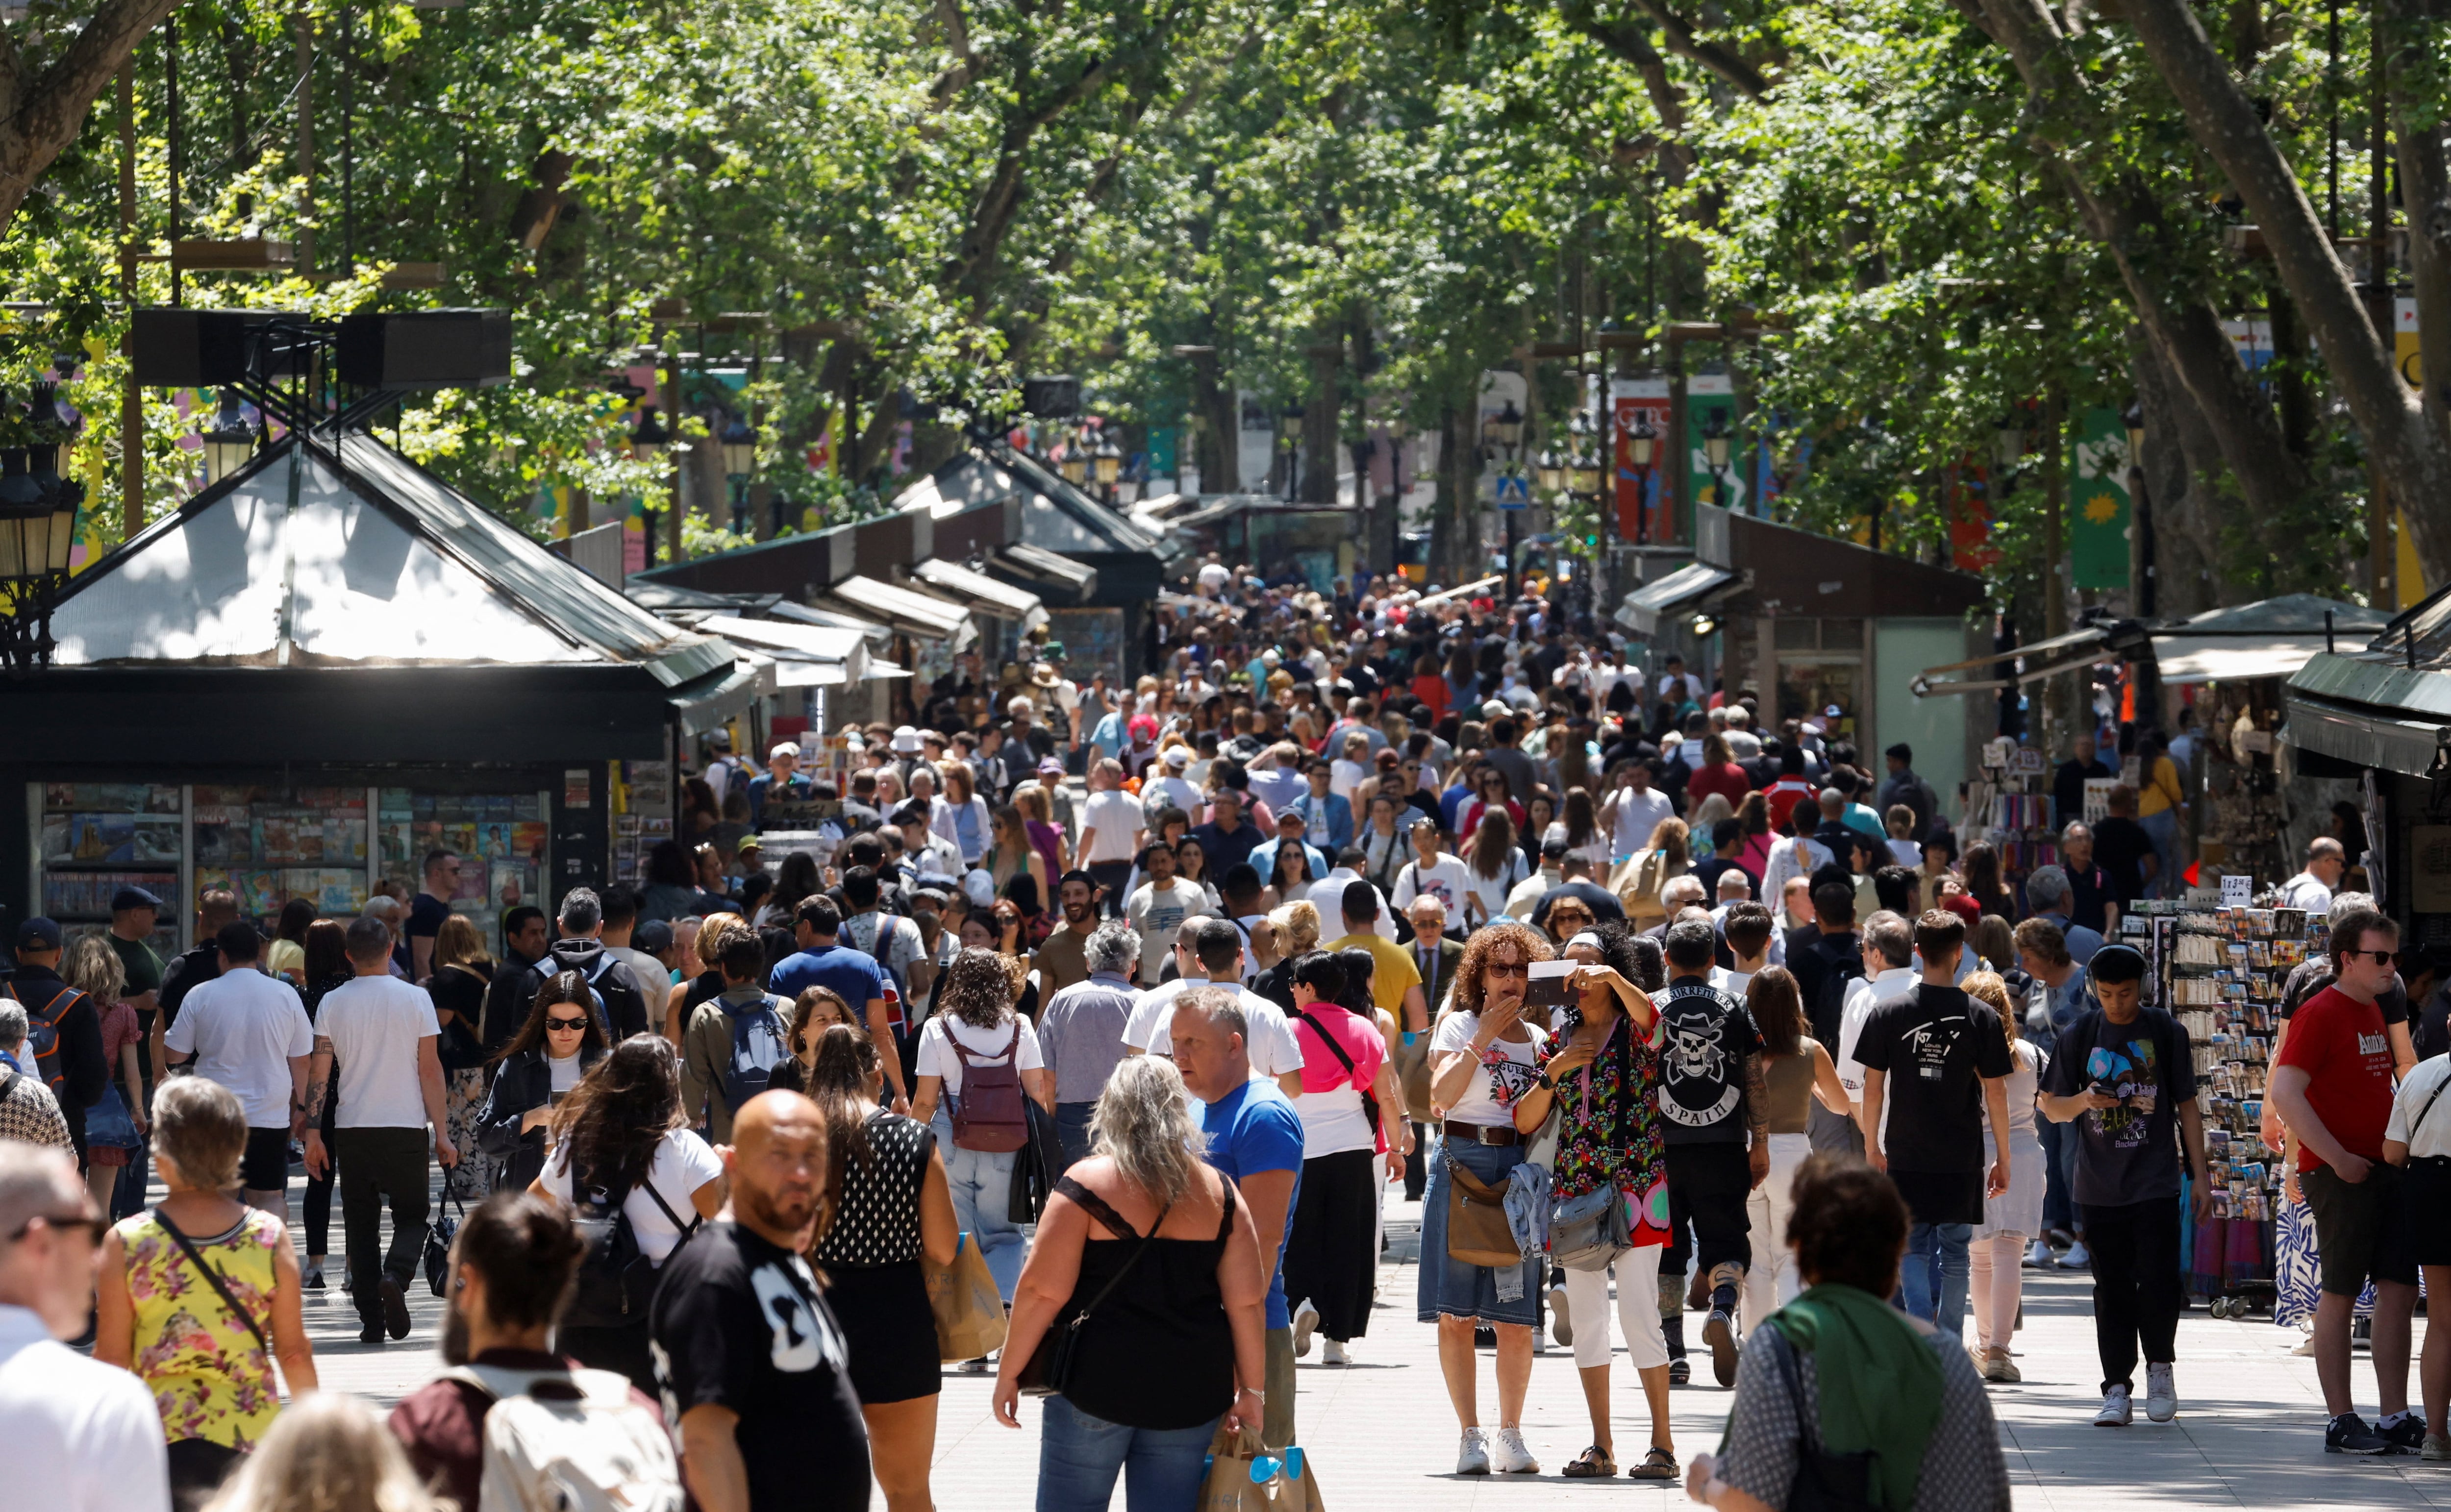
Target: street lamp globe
point(1715, 439)
point(2009, 443)
point(231, 440)
point(648, 437)
point(1505, 428)
point(1075, 466)
point(1108, 460)
point(1642, 443)
point(1583, 473)
point(740, 449)
point(2133, 418)
point(1548, 471)
point(1292, 424)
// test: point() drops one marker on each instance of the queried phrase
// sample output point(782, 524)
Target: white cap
point(979, 887)
point(1494, 709)
point(906, 739)
point(783, 748)
point(1177, 756)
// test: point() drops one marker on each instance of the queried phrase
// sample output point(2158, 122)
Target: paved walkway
point(1382, 1436)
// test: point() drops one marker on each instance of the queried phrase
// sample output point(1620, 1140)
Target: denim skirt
point(1450, 1288)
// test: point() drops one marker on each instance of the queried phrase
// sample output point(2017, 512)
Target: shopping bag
point(969, 1311)
point(1244, 1477)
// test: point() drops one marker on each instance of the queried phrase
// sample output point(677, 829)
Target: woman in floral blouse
point(1601, 1069)
point(205, 1350)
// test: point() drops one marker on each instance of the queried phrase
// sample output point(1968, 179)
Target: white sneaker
point(1513, 1458)
point(1472, 1458)
point(1306, 1319)
point(2039, 1256)
point(1332, 1353)
point(2161, 1393)
point(2076, 1258)
point(2305, 1347)
point(2117, 1411)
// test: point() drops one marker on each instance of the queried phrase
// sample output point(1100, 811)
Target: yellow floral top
point(209, 1378)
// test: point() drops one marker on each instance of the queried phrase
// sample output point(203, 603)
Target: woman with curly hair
point(975, 1031)
point(1484, 1059)
point(814, 1011)
point(617, 1143)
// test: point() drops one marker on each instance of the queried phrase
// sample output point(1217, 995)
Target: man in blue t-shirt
point(852, 976)
point(1255, 1137)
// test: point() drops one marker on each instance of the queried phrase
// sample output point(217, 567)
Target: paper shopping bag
point(1244, 1477)
point(969, 1311)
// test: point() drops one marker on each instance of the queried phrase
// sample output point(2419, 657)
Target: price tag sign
point(2237, 892)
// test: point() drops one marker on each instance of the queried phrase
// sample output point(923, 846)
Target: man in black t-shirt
point(1936, 1063)
point(751, 1365)
point(1715, 1121)
point(429, 909)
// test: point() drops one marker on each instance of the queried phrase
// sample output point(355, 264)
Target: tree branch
point(44, 118)
point(1687, 44)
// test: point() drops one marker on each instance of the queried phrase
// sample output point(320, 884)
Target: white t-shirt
point(1637, 814)
point(2413, 1102)
point(1274, 1051)
point(1168, 792)
point(1158, 915)
point(1906, 852)
point(563, 1071)
point(83, 1435)
point(1491, 891)
point(374, 1024)
point(1519, 1068)
point(243, 1027)
point(1731, 983)
point(1114, 815)
point(683, 1163)
point(1342, 774)
point(1214, 577)
point(2305, 891)
point(937, 1057)
point(1445, 880)
point(1863, 995)
point(1328, 895)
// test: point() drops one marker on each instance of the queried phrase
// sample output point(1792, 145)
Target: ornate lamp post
point(649, 441)
point(231, 442)
point(38, 521)
point(739, 460)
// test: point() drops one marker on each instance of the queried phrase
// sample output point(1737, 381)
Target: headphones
point(2123, 955)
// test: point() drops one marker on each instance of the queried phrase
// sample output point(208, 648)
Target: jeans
point(981, 1187)
point(1931, 1279)
point(2163, 830)
point(1078, 1457)
point(2058, 1211)
point(379, 1166)
point(1072, 1130)
point(2136, 1286)
point(1112, 875)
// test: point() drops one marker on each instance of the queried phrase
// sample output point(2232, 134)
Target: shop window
point(1796, 635)
point(98, 837)
point(500, 839)
point(270, 844)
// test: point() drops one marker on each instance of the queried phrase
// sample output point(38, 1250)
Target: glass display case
point(501, 838)
point(271, 843)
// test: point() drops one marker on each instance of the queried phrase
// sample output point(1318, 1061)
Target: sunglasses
point(93, 1227)
point(2380, 957)
point(1503, 969)
point(571, 1026)
point(1563, 915)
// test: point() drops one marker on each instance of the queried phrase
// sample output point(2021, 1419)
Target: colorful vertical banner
point(1710, 404)
point(1968, 491)
point(1645, 512)
point(633, 538)
point(2098, 502)
point(2408, 577)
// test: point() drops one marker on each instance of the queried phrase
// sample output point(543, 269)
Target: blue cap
point(38, 935)
point(134, 897)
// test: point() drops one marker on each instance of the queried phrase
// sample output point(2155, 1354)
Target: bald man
point(751, 1361)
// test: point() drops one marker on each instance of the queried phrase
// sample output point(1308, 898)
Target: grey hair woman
point(1173, 1346)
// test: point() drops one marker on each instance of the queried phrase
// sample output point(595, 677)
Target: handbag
point(1590, 1232)
point(1049, 1366)
point(107, 1123)
point(1413, 1074)
point(1824, 1481)
point(970, 1319)
point(1478, 1233)
point(1035, 1166)
point(1244, 1477)
point(439, 1235)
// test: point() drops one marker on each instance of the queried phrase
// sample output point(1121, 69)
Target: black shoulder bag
point(1050, 1365)
point(213, 1278)
point(1824, 1481)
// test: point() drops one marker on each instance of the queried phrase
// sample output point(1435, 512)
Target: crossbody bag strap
point(686, 1228)
point(2413, 1128)
point(1333, 1048)
point(213, 1278)
point(1117, 1279)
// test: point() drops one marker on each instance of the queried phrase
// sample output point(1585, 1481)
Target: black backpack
point(1828, 1009)
point(616, 1279)
point(616, 999)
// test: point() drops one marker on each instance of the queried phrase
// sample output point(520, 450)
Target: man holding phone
point(2123, 1074)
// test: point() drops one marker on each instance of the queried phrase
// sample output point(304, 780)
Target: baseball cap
point(1494, 709)
point(653, 937)
point(783, 748)
point(1176, 756)
point(38, 935)
point(1049, 767)
point(132, 897)
point(720, 740)
point(979, 887)
point(906, 739)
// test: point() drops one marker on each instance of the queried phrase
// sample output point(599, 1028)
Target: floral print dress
point(209, 1378)
point(1608, 1129)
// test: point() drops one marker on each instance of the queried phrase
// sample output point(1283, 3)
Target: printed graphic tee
point(2129, 1153)
point(1933, 1048)
point(1705, 1038)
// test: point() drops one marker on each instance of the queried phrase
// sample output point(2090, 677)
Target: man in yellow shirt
point(1395, 982)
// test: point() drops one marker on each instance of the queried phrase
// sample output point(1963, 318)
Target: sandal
point(1659, 1464)
point(1591, 1462)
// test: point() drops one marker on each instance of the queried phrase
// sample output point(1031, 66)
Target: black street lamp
point(1290, 426)
point(38, 521)
point(1717, 444)
point(739, 460)
point(648, 442)
point(231, 442)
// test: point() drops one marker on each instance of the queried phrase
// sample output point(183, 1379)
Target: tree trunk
point(2425, 188)
point(1323, 425)
point(2180, 462)
point(1221, 431)
point(2410, 452)
point(40, 116)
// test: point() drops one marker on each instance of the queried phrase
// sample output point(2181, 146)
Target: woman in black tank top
point(1173, 1337)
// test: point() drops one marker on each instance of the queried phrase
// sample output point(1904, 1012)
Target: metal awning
point(805, 656)
point(713, 700)
point(1642, 608)
point(1051, 567)
point(989, 596)
point(2361, 737)
point(907, 611)
point(2272, 637)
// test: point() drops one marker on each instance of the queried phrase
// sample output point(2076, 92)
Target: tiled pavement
point(1382, 1435)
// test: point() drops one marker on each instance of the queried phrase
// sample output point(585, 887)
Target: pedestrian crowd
point(1657, 1003)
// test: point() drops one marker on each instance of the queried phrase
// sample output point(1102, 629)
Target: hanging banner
point(2098, 503)
point(1644, 516)
point(1967, 490)
point(2407, 577)
point(1711, 402)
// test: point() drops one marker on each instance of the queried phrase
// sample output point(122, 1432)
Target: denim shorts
point(1450, 1286)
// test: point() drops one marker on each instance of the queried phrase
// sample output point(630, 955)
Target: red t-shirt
point(2345, 1052)
point(1724, 777)
point(1784, 795)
